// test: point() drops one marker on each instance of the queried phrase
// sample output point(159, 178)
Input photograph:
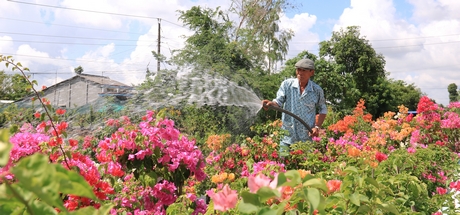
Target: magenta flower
point(411, 150)
point(225, 199)
point(380, 156)
point(441, 191)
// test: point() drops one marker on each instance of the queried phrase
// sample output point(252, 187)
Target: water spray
point(291, 114)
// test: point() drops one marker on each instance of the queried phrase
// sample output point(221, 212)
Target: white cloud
point(6, 44)
point(304, 38)
point(416, 53)
point(435, 10)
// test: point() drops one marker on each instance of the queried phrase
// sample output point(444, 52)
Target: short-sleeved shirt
point(304, 106)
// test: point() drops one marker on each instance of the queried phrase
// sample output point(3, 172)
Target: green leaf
point(73, 183)
point(5, 147)
point(389, 208)
point(293, 176)
point(267, 211)
point(210, 209)
point(39, 207)
point(354, 198)
point(281, 179)
point(372, 181)
point(314, 197)
point(316, 183)
point(266, 193)
point(250, 202)
point(364, 209)
point(351, 169)
point(35, 174)
point(103, 210)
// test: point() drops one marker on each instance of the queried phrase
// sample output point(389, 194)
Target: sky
point(419, 39)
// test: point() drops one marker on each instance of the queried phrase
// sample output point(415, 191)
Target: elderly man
point(302, 97)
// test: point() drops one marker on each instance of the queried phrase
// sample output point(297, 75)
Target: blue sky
point(420, 39)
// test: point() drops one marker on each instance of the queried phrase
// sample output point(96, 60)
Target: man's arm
point(320, 119)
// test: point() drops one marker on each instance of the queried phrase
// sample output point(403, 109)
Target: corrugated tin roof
point(101, 80)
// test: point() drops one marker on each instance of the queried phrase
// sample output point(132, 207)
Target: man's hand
point(315, 132)
point(266, 103)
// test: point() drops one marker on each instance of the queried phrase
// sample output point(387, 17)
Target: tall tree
point(453, 93)
point(210, 46)
point(13, 87)
point(360, 66)
point(258, 31)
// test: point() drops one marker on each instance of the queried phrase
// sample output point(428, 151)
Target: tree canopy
point(245, 50)
point(453, 93)
point(13, 87)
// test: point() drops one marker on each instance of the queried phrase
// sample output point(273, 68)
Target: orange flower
point(215, 142)
point(353, 151)
point(231, 177)
point(373, 164)
point(303, 173)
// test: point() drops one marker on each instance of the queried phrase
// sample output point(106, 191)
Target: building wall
point(74, 93)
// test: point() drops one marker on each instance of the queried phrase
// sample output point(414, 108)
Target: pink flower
point(380, 156)
point(333, 185)
point(225, 199)
point(411, 150)
point(455, 185)
point(441, 191)
point(164, 192)
point(255, 182)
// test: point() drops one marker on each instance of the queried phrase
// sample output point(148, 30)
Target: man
point(302, 97)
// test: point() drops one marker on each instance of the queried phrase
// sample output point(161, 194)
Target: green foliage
point(13, 87)
point(358, 62)
point(453, 93)
point(210, 47)
point(402, 94)
point(258, 32)
point(79, 70)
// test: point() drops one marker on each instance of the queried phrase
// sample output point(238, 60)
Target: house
point(82, 89)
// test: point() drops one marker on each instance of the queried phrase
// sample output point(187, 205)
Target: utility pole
point(159, 42)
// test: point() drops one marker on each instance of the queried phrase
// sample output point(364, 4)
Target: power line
point(67, 43)
point(72, 37)
point(93, 11)
point(71, 26)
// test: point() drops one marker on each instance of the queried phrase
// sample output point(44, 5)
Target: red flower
point(55, 141)
point(60, 111)
point(73, 142)
point(37, 114)
point(380, 156)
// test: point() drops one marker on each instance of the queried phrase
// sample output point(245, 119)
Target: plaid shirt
point(304, 106)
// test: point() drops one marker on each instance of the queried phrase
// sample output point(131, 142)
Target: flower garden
point(396, 164)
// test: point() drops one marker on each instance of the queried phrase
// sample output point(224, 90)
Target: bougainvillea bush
point(396, 164)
